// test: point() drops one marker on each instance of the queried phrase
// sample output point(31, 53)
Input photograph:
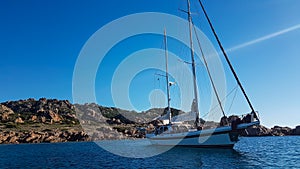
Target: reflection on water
point(140, 148)
point(218, 158)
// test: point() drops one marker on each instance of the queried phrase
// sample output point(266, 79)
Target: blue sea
point(254, 152)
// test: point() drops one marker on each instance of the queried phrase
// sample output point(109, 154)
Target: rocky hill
point(51, 120)
point(34, 121)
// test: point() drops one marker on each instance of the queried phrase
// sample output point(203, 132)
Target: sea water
point(254, 152)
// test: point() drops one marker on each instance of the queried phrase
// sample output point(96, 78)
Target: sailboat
point(226, 134)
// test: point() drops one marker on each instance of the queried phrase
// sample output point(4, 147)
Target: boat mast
point(167, 77)
point(195, 101)
point(226, 58)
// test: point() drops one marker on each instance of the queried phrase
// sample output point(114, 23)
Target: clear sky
point(41, 40)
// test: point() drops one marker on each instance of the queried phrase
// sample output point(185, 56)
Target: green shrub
point(10, 125)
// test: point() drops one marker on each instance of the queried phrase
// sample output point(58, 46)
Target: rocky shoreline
point(52, 120)
point(51, 136)
point(261, 130)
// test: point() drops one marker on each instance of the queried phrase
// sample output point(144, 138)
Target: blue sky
point(41, 40)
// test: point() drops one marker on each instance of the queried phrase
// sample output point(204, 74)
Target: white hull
point(219, 137)
point(222, 140)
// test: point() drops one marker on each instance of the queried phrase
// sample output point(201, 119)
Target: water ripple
point(259, 152)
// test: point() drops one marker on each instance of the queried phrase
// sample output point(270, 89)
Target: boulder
point(3, 137)
point(11, 133)
point(43, 119)
point(50, 139)
point(19, 120)
point(34, 118)
point(259, 130)
point(54, 116)
point(296, 131)
point(31, 137)
point(281, 131)
point(13, 140)
point(5, 113)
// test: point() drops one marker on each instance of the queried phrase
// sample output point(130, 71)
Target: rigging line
point(226, 57)
point(222, 100)
point(232, 100)
point(183, 61)
point(189, 63)
point(208, 71)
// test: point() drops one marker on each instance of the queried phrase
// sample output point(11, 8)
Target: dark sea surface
point(255, 152)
